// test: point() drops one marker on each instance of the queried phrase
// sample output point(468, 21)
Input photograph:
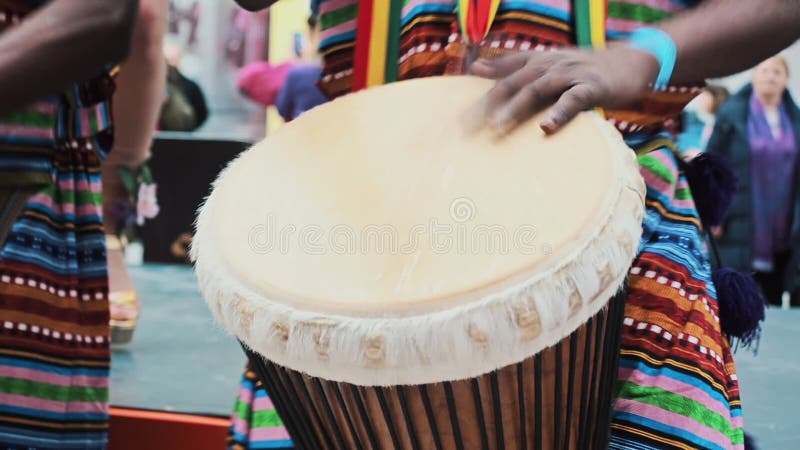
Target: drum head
point(381, 206)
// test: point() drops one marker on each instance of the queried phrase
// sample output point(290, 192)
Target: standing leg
point(774, 283)
point(141, 87)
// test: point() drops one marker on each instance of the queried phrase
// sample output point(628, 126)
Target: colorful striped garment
point(678, 385)
point(431, 43)
point(54, 348)
point(255, 423)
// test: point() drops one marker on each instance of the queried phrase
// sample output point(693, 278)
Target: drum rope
point(588, 370)
point(476, 395)
point(348, 420)
point(537, 411)
point(521, 396)
point(362, 411)
point(451, 406)
point(412, 433)
point(614, 319)
point(557, 442)
point(426, 402)
point(573, 350)
point(388, 418)
point(598, 375)
point(498, 411)
point(329, 412)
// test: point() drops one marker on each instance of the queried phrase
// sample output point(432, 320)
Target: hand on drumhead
point(566, 81)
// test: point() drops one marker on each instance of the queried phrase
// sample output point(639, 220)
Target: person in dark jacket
point(759, 131)
point(697, 124)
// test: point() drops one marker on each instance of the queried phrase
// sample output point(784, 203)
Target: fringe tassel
point(749, 442)
point(741, 306)
point(713, 184)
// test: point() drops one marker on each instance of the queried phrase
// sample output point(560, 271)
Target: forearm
point(140, 92)
point(64, 42)
point(723, 37)
point(255, 5)
point(141, 86)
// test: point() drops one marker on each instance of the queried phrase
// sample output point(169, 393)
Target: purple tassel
point(749, 442)
point(741, 305)
point(713, 185)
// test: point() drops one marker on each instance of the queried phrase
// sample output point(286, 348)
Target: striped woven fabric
point(54, 349)
point(255, 424)
point(678, 383)
point(431, 43)
point(26, 143)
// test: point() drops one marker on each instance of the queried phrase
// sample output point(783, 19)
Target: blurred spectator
point(185, 107)
point(300, 92)
point(698, 123)
point(290, 87)
point(758, 129)
point(261, 81)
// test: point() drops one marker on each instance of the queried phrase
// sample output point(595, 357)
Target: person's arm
point(720, 142)
point(720, 139)
point(721, 37)
point(284, 101)
point(141, 86)
point(62, 43)
point(255, 5)
point(139, 95)
point(718, 38)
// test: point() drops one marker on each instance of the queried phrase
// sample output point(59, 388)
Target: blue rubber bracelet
point(662, 47)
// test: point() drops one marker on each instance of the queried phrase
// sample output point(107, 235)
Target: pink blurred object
point(147, 204)
point(261, 81)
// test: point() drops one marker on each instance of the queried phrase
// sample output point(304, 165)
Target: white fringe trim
point(462, 342)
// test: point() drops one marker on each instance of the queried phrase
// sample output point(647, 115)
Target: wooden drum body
point(558, 399)
point(400, 283)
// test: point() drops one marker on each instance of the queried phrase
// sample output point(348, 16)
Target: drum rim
point(476, 338)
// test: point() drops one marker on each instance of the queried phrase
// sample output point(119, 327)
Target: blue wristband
point(662, 47)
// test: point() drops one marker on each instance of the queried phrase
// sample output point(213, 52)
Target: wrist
point(661, 48)
point(130, 158)
point(644, 65)
point(640, 67)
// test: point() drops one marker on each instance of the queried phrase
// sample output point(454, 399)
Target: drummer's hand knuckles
point(527, 100)
point(503, 90)
point(498, 67)
point(580, 97)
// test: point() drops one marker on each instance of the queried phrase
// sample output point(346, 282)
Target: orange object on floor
point(137, 429)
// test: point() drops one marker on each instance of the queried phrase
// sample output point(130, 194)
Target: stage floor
point(181, 361)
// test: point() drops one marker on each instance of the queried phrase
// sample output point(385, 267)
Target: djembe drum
point(401, 283)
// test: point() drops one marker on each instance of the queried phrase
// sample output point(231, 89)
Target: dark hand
point(570, 80)
point(255, 5)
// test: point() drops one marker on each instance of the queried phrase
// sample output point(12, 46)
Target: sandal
point(123, 299)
